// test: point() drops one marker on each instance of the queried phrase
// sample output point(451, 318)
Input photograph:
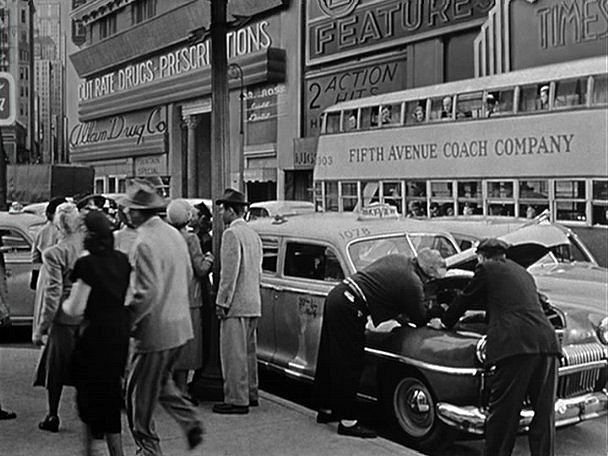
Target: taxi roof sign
point(8, 103)
point(378, 211)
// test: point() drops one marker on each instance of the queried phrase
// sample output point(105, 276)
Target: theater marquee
point(338, 28)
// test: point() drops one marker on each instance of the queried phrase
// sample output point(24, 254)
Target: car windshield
point(367, 251)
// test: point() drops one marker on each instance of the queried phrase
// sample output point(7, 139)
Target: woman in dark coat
point(101, 279)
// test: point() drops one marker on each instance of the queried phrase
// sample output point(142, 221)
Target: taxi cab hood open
point(527, 245)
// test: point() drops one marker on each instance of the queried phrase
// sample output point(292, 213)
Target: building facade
point(144, 97)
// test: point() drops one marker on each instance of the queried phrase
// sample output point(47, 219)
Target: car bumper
point(567, 411)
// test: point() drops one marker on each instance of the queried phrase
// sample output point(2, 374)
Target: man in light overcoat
point(238, 306)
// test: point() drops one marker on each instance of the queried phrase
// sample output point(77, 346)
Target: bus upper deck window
point(390, 114)
point(498, 103)
point(442, 108)
point(369, 117)
point(469, 105)
point(534, 97)
point(415, 112)
point(332, 122)
point(571, 92)
point(600, 89)
point(350, 120)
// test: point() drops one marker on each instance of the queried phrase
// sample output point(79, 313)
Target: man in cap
point(158, 302)
point(521, 343)
point(389, 287)
point(238, 305)
point(542, 102)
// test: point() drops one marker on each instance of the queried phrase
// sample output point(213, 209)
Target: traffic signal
point(7, 99)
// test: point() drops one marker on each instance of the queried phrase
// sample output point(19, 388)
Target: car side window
point(13, 243)
point(270, 255)
point(311, 261)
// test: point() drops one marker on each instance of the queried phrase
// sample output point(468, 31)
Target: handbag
point(34, 278)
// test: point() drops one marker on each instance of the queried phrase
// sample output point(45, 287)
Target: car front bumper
point(567, 411)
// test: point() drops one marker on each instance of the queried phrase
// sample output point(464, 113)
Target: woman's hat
point(98, 223)
point(141, 195)
point(179, 212)
point(232, 196)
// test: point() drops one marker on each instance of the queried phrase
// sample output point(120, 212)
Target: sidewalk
point(277, 427)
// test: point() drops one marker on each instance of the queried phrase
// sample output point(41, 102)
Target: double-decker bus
point(511, 144)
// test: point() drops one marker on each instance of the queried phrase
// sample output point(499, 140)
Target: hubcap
point(414, 408)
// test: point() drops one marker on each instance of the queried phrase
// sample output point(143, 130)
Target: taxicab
point(17, 233)
point(432, 383)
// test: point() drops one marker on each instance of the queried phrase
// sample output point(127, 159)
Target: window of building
point(599, 205)
point(270, 255)
point(23, 16)
point(415, 192)
point(571, 92)
point(142, 10)
point(469, 198)
point(349, 195)
point(570, 202)
point(469, 105)
point(99, 185)
point(600, 89)
point(392, 194)
point(415, 112)
point(313, 262)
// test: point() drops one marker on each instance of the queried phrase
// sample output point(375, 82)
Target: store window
point(469, 198)
point(533, 197)
point(348, 195)
point(500, 198)
point(570, 204)
point(600, 89)
point(569, 93)
point(442, 199)
point(415, 192)
point(392, 194)
point(599, 205)
point(99, 185)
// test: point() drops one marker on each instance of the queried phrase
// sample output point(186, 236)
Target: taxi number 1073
point(353, 233)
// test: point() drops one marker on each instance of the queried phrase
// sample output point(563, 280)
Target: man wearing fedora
point(159, 304)
point(238, 305)
point(522, 345)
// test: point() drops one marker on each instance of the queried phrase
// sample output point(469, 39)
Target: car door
point(268, 292)
point(309, 271)
point(16, 248)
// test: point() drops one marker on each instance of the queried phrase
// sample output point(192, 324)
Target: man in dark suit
point(522, 344)
point(389, 287)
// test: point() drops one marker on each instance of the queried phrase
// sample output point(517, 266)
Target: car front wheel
point(411, 407)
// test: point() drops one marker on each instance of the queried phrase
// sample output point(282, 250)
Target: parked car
point(17, 233)
point(431, 383)
point(274, 208)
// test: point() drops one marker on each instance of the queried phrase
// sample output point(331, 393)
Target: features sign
point(153, 165)
point(361, 81)
point(7, 99)
point(336, 28)
point(552, 31)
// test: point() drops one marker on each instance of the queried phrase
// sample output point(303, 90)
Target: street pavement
point(277, 427)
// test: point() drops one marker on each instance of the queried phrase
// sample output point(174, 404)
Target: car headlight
point(480, 350)
point(602, 331)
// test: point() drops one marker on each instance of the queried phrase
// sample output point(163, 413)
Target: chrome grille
point(583, 379)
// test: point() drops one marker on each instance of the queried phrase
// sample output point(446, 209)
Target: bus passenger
point(351, 123)
point(434, 212)
point(530, 212)
point(414, 209)
point(419, 114)
point(491, 105)
point(542, 103)
point(386, 115)
point(446, 108)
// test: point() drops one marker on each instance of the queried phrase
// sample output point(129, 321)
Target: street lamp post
point(236, 71)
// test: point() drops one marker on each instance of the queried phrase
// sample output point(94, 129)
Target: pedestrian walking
point(179, 215)
point(389, 287)
point(60, 328)
point(47, 236)
point(158, 303)
point(522, 344)
point(238, 306)
point(100, 282)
